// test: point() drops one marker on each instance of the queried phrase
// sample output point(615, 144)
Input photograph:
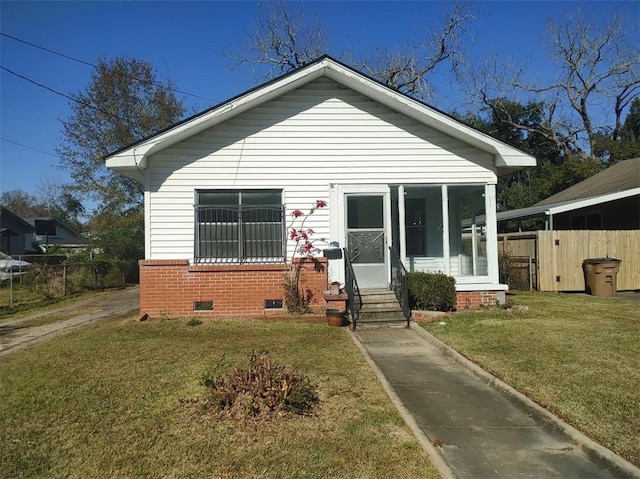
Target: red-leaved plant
point(296, 298)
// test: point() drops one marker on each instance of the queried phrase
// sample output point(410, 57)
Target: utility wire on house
point(48, 50)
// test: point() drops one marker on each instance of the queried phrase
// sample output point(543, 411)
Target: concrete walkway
point(473, 425)
point(17, 334)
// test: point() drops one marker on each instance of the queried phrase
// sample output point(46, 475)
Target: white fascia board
point(505, 155)
point(594, 200)
point(507, 159)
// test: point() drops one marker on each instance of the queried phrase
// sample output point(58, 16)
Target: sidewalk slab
point(479, 432)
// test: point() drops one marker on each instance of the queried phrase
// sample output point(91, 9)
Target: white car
point(10, 267)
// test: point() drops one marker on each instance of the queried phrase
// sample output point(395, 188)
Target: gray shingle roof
point(624, 175)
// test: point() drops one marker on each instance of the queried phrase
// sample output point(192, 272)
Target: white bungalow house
point(397, 175)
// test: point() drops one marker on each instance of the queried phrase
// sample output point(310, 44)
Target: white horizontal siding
point(425, 264)
point(301, 142)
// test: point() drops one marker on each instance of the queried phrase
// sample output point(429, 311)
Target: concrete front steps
point(380, 308)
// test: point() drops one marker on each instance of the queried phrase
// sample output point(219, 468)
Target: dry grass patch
point(29, 302)
point(577, 355)
point(122, 399)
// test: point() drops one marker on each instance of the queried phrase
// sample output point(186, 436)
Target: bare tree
point(49, 191)
point(407, 70)
point(598, 76)
point(280, 41)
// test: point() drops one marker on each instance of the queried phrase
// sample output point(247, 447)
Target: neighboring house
point(14, 232)
point(608, 200)
point(50, 231)
point(220, 188)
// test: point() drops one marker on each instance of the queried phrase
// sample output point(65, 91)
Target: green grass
point(23, 295)
point(577, 355)
point(41, 320)
point(113, 400)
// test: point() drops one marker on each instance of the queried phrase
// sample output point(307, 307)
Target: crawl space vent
point(272, 304)
point(203, 305)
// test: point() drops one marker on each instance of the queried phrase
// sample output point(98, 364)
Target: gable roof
point(4, 212)
point(132, 160)
point(619, 181)
point(65, 234)
point(622, 176)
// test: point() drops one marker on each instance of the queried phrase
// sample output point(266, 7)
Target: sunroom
point(432, 228)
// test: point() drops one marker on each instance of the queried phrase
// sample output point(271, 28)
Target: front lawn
point(122, 399)
point(576, 355)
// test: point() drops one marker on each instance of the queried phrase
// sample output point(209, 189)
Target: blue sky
point(186, 41)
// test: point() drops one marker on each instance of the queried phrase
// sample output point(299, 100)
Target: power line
point(61, 94)
point(48, 50)
point(29, 147)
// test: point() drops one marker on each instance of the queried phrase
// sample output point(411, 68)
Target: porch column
point(492, 233)
point(147, 217)
point(402, 225)
point(446, 253)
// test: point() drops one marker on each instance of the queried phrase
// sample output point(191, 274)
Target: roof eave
point(565, 206)
point(506, 158)
point(594, 200)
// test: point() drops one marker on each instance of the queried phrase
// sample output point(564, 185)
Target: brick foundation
point(170, 287)
point(475, 299)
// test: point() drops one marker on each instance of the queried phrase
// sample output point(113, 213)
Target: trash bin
point(600, 275)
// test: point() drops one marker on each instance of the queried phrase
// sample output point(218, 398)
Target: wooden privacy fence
point(557, 256)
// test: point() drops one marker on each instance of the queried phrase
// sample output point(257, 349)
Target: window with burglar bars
point(235, 226)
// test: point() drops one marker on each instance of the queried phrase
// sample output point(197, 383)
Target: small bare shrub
point(264, 388)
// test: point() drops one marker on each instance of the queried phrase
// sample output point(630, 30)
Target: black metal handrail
point(400, 284)
point(351, 287)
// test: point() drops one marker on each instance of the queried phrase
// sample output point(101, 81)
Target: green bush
point(432, 291)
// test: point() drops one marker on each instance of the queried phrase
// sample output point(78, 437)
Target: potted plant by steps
point(334, 288)
point(337, 317)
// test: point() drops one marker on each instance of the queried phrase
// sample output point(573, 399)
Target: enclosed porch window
point(468, 231)
point(444, 229)
point(239, 226)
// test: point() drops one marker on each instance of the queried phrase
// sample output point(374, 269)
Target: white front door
point(366, 235)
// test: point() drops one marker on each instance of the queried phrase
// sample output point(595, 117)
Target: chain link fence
point(57, 276)
point(519, 272)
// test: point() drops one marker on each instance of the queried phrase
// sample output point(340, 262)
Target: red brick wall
point(475, 299)
point(170, 287)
